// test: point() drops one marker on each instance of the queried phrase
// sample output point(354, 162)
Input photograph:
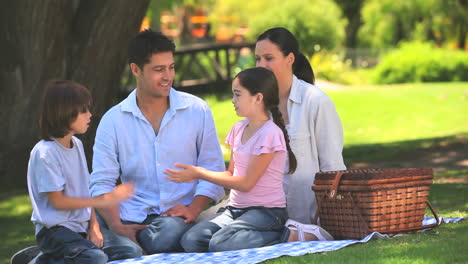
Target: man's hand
point(128, 230)
point(190, 214)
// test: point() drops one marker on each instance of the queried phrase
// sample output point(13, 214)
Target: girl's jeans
point(237, 228)
point(62, 245)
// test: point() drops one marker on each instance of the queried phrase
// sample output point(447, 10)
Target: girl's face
point(244, 103)
point(81, 123)
point(268, 55)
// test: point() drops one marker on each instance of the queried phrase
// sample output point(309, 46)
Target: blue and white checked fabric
point(256, 255)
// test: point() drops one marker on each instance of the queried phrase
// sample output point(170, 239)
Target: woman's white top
point(316, 138)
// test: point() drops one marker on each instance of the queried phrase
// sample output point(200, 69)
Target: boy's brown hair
point(62, 102)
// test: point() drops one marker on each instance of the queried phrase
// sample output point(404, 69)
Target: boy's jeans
point(233, 228)
point(62, 245)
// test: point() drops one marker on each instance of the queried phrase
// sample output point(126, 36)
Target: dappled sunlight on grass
point(17, 229)
point(16, 206)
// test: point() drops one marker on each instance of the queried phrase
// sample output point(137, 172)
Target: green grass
point(443, 244)
point(389, 113)
point(17, 231)
point(397, 123)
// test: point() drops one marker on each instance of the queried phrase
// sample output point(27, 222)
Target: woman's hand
point(189, 173)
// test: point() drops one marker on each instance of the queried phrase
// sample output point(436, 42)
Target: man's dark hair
point(147, 43)
point(62, 102)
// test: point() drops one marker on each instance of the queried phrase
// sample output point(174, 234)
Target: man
point(153, 128)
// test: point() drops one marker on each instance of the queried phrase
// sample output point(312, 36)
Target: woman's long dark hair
point(260, 80)
point(287, 43)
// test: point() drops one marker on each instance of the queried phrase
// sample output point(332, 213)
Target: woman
point(310, 116)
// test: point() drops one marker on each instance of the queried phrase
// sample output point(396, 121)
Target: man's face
point(157, 76)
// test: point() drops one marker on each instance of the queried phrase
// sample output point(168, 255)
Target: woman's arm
point(328, 135)
point(256, 168)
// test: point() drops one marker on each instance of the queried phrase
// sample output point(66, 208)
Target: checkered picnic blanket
point(256, 255)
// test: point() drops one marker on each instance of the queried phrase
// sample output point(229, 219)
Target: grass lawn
point(396, 125)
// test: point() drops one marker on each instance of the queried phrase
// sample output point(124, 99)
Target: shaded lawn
point(436, 246)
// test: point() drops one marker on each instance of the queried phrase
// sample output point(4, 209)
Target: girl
point(58, 179)
point(256, 211)
point(311, 120)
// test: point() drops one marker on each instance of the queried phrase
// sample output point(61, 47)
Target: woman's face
point(268, 55)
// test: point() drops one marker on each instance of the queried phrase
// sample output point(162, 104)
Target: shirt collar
point(295, 95)
point(176, 102)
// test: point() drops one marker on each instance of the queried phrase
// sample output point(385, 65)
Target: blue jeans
point(162, 235)
point(233, 228)
point(62, 245)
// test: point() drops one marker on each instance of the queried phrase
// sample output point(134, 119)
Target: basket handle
point(417, 227)
point(336, 183)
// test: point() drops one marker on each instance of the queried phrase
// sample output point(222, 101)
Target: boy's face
point(157, 76)
point(81, 123)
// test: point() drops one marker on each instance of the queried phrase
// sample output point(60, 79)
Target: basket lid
point(376, 174)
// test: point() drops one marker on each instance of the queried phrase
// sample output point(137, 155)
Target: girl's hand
point(95, 235)
point(188, 174)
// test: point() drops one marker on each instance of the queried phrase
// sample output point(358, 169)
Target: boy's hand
point(95, 235)
point(122, 192)
point(188, 174)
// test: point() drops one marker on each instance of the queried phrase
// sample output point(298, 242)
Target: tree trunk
point(80, 40)
point(461, 36)
point(352, 11)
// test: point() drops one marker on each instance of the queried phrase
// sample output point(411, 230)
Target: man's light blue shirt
point(126, 146)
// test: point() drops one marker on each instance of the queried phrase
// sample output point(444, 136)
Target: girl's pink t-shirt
point(268, 191)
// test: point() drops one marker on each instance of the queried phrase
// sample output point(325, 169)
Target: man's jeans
point(162, 235)
point(233, 228)
point(62, 245)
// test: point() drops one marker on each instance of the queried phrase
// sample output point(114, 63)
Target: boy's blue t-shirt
point(52, 167)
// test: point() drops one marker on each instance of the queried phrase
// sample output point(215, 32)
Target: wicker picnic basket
point(355, 203)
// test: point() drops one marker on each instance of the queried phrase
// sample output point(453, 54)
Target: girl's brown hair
point(260, 80)
point(61, 103)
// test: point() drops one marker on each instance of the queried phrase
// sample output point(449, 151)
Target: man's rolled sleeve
point(210, 157)
point(106, 169)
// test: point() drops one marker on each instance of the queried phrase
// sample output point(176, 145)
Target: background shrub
point(421, 62)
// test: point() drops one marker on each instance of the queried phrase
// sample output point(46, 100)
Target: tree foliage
point(387, 22)
point(315, 22)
